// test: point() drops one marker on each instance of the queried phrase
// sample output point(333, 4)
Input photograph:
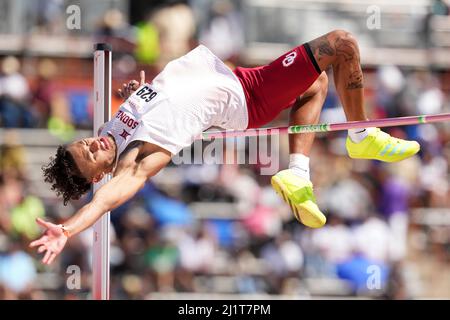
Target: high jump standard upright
point(102, 114)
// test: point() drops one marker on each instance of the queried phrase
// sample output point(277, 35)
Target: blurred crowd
point(220, 228)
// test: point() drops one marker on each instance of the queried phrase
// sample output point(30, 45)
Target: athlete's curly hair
point(65, 177)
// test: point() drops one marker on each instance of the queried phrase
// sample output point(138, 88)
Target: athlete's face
point(94, 156)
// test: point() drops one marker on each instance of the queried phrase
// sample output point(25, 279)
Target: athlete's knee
point(343, 35)
point(345, 44)
point(336, 47)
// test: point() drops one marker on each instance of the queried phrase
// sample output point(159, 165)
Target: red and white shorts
point(274, 87)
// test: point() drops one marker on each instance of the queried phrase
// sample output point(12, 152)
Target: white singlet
point(191, 94)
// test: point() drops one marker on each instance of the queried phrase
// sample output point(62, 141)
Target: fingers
point(52, 258)
point(43, 223)
point(125, 90)
point(142, 77)
point(133, 85)
point(128, 88)
point(47, 256)
point(38, 242)
point(42, 240)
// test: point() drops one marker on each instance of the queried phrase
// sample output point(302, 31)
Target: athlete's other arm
point(127, 90)
point(130, 176)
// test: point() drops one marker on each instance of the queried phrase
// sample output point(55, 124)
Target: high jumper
point(198, 91)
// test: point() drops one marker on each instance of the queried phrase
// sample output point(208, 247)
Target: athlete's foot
point(381, 146)
point(297, 192)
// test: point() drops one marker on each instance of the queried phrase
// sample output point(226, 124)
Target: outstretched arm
point(111, 195)
point(124, 185)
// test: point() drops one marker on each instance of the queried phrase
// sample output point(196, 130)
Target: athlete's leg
point(294, 184)
point(339, 50)
point(306, 110)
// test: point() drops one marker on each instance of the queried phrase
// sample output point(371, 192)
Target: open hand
point(52, 242)
point(131, 86)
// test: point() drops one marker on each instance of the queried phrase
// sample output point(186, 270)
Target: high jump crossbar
point(327, 127)
point(102, 114)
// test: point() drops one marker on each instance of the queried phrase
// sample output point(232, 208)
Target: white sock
point(358, 135)
point(299, 164)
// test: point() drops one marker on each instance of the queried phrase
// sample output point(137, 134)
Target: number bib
point(142, 100)
point(127, 119)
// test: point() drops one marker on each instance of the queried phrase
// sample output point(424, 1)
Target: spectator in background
point(234, 179)
point(17, 274)
point(394, 203)
point(434, 179)
point(50, 103)
point(18, 209)
point(334, 242)
point(201, 10)
point(11, 189)
point(431, 98)
point(147, 43)
point(43, 91)
point(113, 28)
point(372, 239)
point(12, 156)
point(114, 25)
point(197, 252)
point(390, 83)
point(224, 33)
point(196, 255)
point(14, 95)
point(160, 258)
point(283, 258)
point(176, 28)
point(345, 196)
point(47, 16)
